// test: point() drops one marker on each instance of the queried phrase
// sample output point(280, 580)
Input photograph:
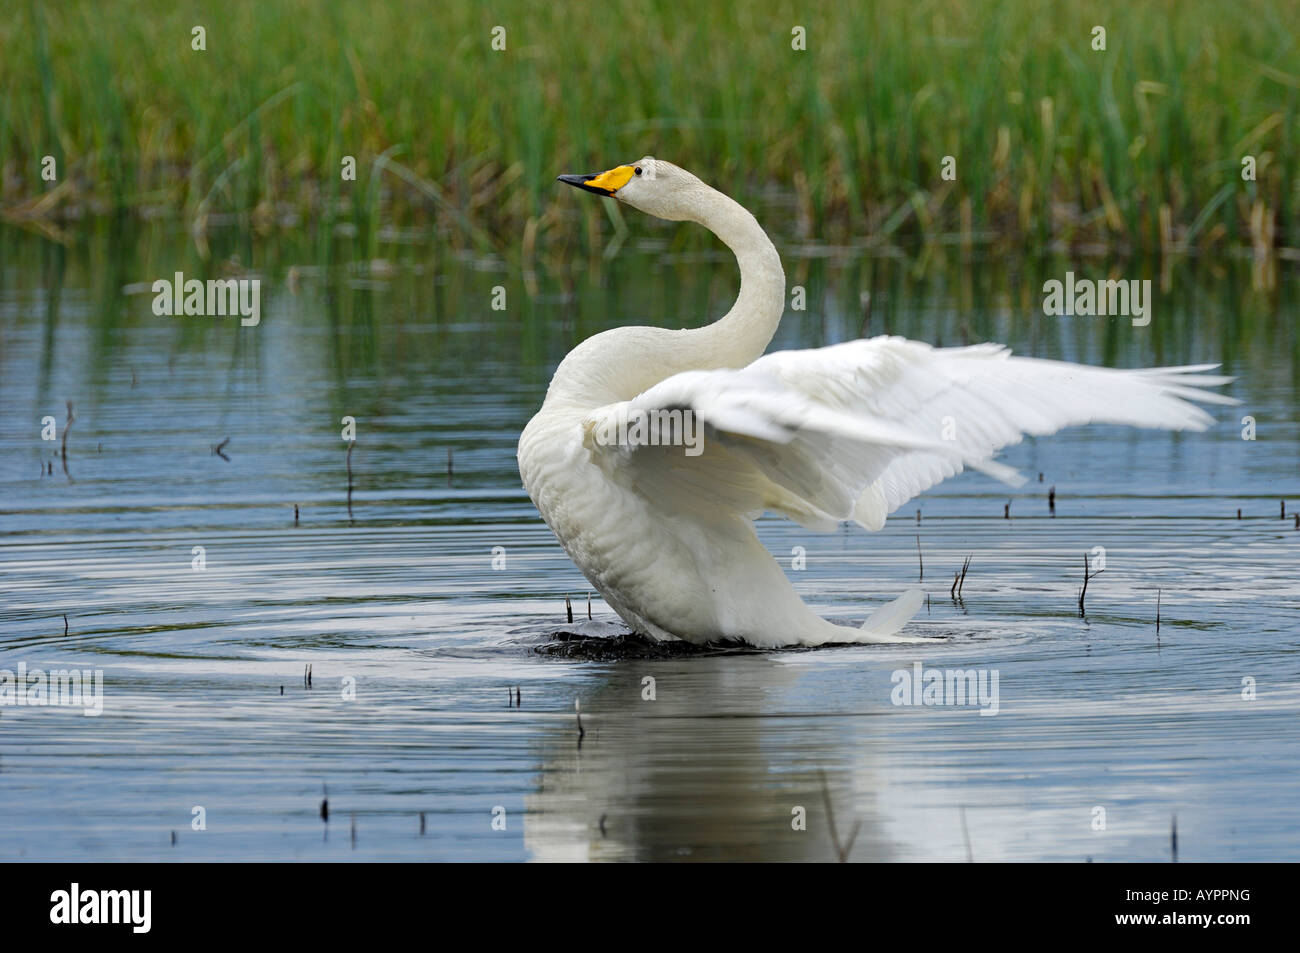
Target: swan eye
point(638, 170)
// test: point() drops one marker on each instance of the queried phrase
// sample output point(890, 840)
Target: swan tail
point(883, 624)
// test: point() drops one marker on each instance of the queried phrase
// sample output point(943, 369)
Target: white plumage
point(848, 432)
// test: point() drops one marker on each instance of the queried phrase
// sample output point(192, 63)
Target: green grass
point(1054, 142)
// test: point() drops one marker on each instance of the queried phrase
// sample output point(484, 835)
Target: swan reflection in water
point(706, 771)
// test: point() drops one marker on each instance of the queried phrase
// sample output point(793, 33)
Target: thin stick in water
point(66, 427)
point(965, 833)
point(351, 444)
point(841, 850)
point(1084, 591)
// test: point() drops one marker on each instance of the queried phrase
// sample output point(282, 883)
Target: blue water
point(416, 642)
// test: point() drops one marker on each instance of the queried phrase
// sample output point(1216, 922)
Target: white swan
point(848, 432)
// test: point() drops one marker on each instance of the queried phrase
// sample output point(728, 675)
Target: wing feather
point(855, 430)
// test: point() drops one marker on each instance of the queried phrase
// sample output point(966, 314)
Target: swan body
point(663, 529)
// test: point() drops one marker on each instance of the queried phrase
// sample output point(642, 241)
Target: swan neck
point(743, 333)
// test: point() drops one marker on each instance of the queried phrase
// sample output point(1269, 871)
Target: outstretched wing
point(854, 431)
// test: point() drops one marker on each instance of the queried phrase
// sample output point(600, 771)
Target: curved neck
point(743, 333)
point(620, 363)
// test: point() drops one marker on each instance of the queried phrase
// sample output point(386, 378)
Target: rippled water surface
point(416, 642)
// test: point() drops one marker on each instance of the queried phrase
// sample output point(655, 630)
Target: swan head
point(651, 185)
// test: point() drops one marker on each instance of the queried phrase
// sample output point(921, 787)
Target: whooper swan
point(663, 528)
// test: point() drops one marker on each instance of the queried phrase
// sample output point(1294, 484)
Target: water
point(416, 643)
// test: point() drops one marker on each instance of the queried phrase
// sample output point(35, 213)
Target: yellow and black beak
point(602, 183)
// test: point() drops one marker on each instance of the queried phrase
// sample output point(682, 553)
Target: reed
point(1139, 146)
